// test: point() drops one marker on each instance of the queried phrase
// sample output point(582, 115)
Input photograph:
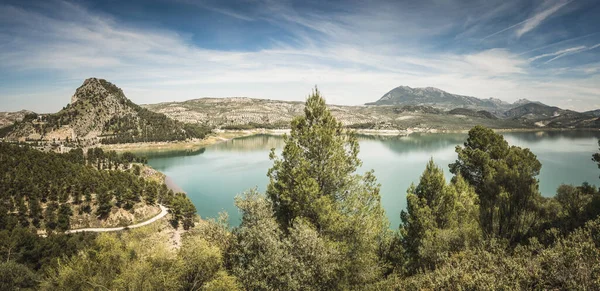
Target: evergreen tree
point(439, 219)
point(104, 204)
point(504, 179)
point(64, 217)
point(314, 180)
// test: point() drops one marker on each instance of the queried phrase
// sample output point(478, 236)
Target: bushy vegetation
point(321, 226)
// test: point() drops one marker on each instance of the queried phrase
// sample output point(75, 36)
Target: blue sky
point(355, 51)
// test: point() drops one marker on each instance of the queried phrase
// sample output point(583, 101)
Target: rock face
point(440, 99)
point(95, 103)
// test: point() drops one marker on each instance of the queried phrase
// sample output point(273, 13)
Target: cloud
point(218, 9)
point(532, 22)
point(558, 53)
point(345, 54)
point(497, 61)
point(563, 53)
point(538, 18)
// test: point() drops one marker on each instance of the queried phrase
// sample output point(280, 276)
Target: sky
point(354, 51)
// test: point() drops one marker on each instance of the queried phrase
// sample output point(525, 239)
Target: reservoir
point(214, 175)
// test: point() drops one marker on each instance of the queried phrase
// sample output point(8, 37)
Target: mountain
point(9, 118)
point(594, 113)
point(437, 98)
point(535, 111)
point(471, 112)
point(542, 115)
point(100, 112)
point(525, 101)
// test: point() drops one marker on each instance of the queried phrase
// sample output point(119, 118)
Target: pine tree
point(439, 219)
point(504, 179)
point(314, 180)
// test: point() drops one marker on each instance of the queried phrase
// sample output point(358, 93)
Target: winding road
point(163, 213)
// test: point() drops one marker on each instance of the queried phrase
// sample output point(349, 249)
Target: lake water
point(213, 176)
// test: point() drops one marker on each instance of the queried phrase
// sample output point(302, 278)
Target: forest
point(42, 191)
point(148, 126)
point(320, 226)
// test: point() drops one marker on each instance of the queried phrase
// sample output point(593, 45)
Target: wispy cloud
point(539, 17)
point(563, 53)
point(218, 9)
point(558, 53)
point(532, 22)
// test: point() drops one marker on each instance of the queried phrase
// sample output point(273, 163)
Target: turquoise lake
point(213, 176)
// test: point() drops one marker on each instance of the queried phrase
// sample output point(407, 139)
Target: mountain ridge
point(434, 97)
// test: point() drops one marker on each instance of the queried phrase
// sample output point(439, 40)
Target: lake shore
point(226, 135)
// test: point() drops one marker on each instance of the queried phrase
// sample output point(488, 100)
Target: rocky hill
point(100, 112)
point(440, 99)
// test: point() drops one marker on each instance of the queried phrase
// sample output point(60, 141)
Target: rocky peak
point(97, 89)
point(522, 101)
point(497, 101)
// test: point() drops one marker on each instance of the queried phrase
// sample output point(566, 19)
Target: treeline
point(145, 125)
point(148, 126)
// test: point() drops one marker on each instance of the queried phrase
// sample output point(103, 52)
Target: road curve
point(163, 212)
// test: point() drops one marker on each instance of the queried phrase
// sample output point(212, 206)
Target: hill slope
point(245, 113)
point(437, 98)
point(100, 112)
point(549, 116)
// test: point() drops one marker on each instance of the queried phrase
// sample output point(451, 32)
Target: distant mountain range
point(100, 112)
point(440, 99)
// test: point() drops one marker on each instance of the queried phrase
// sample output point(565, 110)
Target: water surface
point(213, 176)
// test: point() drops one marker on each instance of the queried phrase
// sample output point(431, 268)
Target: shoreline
point(171, 185)
point(225, 135)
